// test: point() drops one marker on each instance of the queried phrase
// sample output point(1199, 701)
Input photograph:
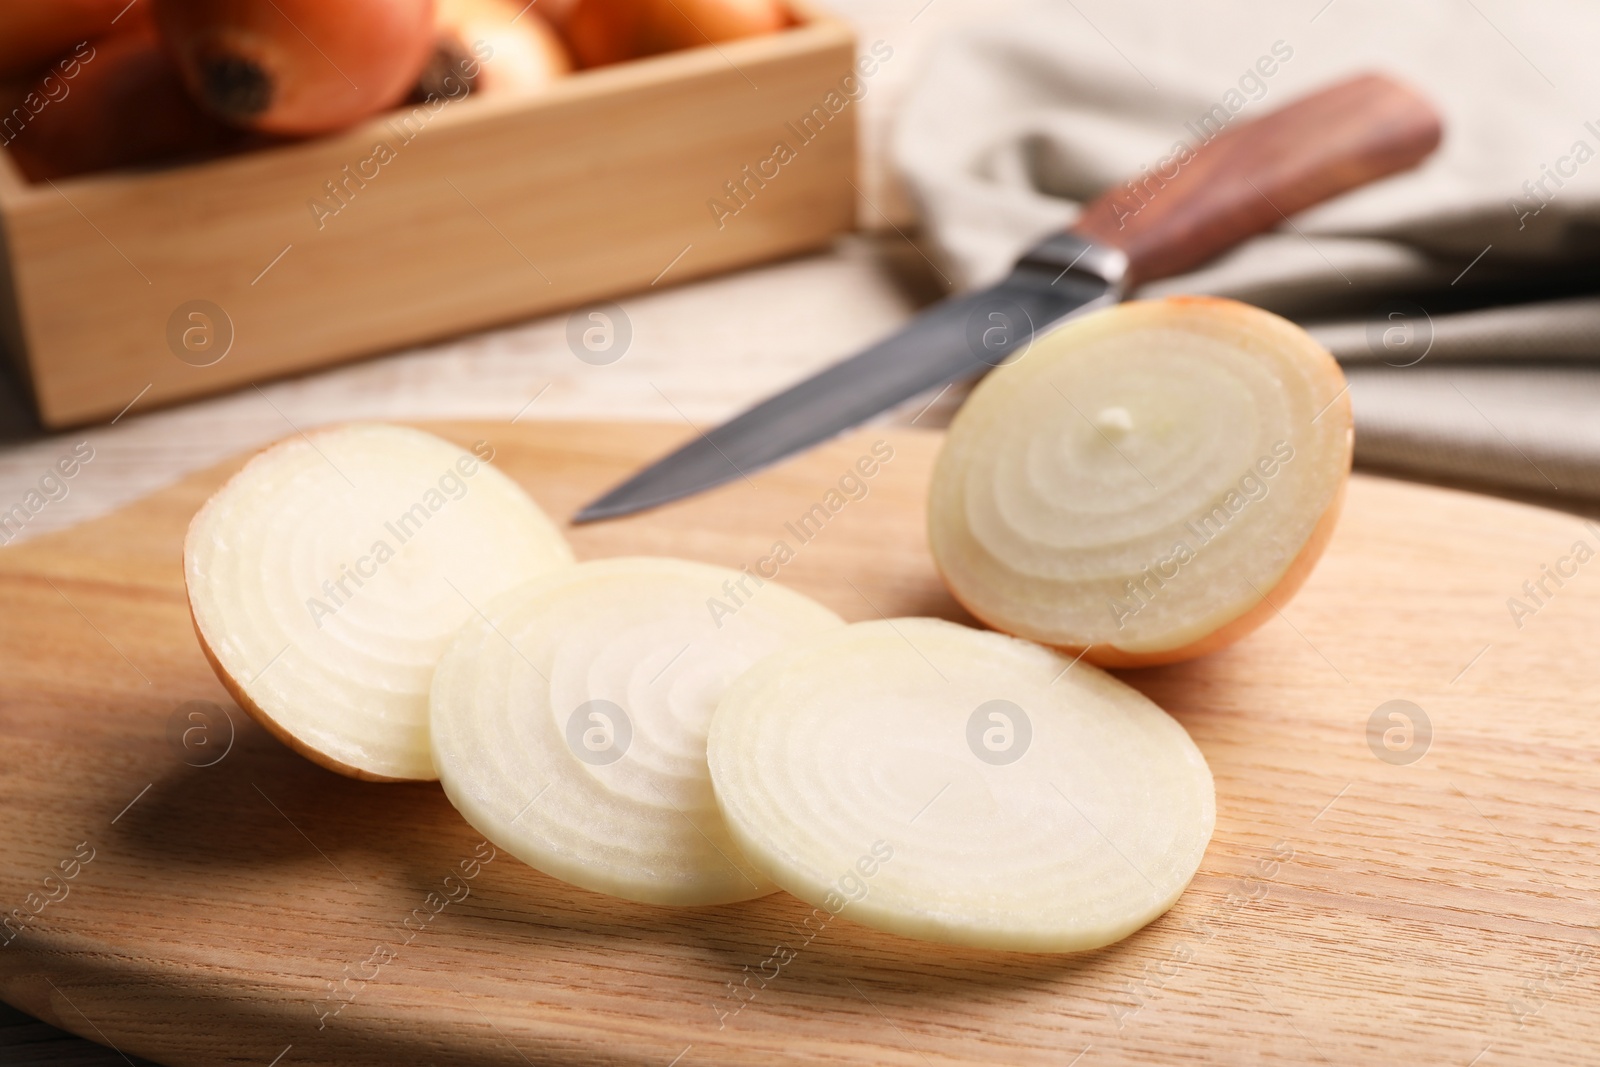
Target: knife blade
point(1063, 276)
point(1247, 179)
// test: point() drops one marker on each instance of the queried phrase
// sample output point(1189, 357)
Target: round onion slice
point(569, 724)
point(326, 577)
point(1146, 482)
point(959, 785)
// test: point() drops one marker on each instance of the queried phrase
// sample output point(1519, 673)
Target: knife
point(1248, 177)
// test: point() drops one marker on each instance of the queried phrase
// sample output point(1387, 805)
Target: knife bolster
point(1070, 252)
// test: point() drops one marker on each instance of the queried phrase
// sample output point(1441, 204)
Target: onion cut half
point(958, 785)
point(326, 577)
point(569, 724)
point(1150, 482)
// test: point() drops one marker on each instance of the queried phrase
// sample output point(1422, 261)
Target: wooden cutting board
point(1351, 908)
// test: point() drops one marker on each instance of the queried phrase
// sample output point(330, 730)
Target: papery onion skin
point(1316, 396)
point(121, 103)
point(35, 32)
point(494, 47)
point(297, 67)
point(613, 31)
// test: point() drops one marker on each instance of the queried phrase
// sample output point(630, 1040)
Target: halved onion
point(1146, 483)
point(326, 577)
point(569, 723)
point(957, 785)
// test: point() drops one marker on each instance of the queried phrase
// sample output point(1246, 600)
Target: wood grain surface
point(1351, 908)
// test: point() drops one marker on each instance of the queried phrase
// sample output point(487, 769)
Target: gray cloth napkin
point(1459, 295)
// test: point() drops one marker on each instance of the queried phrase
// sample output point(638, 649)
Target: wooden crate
point(487, 211)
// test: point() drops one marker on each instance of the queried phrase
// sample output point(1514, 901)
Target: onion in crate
point(957, 785)
point(33, 33)
point(569, 722)
point(326, 577)
point(116, 101)
point(611, 31)
point(298, 66)
point(1146, 484)
point(492, 47)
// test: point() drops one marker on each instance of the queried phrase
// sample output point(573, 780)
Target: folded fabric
point(1460, 294)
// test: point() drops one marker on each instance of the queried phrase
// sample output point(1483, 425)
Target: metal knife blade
point(958, 338)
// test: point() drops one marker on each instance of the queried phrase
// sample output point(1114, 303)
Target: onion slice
point(958, 785)
point(569, 723)
point(326, 577)
point(1145, 483)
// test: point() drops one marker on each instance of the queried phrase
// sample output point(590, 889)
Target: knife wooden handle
point(1250, 177)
